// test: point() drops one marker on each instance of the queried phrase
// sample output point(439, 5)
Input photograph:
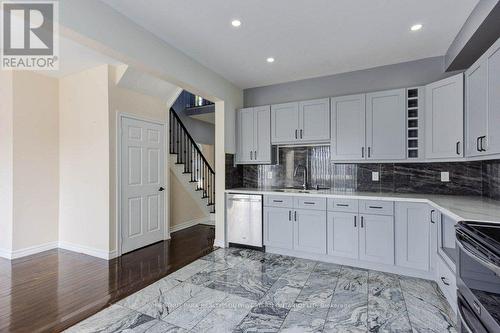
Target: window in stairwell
point(198, 101)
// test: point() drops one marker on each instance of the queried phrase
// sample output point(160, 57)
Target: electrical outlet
point(445, 176)
point(269, 175)
point(375, 176)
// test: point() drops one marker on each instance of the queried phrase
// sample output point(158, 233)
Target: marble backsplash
point(481, 178)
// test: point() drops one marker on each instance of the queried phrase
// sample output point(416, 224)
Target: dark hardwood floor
point(53, 290)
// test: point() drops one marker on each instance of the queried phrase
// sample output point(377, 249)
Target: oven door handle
point(483, 262)
point(462, 320)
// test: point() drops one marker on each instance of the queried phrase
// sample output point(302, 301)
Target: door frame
point(118, 175)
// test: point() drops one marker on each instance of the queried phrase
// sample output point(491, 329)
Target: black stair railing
point(189, 154)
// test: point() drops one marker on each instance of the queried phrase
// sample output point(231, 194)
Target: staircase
point(189, 156)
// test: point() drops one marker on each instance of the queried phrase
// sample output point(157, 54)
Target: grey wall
point(479, 32)
point(407, 74)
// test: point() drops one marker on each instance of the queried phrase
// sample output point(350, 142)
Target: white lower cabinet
point(447, 282)
point(309, 231)
point(377, 234)
point(376, 239)
point(278, 227)
point(295, 229)
point(413, 235)
point(342, 233)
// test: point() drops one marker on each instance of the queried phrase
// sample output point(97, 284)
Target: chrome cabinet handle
point(458, 147)
point(255, 154)
point(251, 155)
point(355, 224)
point(477, 143)
point(369, 151)
point(375, 207)
point(295, 215)
point(362, 220)
point(481, 138)
point(342, 205)
point(296, 134)
point(289, 215)
point(301, 133)
point(444, 281)
point(362, 152)
point(432, 215)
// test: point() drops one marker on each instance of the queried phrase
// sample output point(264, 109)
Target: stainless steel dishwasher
point(244, 219)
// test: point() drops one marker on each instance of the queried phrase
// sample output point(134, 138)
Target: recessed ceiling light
point(235, 23)
point(416, 27)
point(270, 59)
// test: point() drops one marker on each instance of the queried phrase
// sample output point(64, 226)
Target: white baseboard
point(188, 224)
point(6, 254)
point(27, 251)
point(219, 243)
point(88, 250)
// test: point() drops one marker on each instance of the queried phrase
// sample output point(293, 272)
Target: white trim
point(120, 115)
point(27, 251)
point(219, 243)
point(4, 253)
point(188, 224)
point(88, 250)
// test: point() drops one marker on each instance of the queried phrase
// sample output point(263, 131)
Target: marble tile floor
point(240, 290)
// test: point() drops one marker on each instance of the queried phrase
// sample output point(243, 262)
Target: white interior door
point(143, 182)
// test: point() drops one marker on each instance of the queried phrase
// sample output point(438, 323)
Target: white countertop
point(468, 208)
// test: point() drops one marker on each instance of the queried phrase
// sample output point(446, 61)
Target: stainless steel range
point(478, 276)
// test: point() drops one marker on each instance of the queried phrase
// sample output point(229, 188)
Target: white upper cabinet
point(385, 125)
point(302, 122)
point(348, 128)
point(476, 99)
point(483, 104)
point(284, 123)
point(444, 118)
point(314, 121)
point(262, 134)
point(254, 135)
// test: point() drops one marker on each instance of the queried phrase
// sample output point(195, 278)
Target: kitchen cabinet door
point(413, 231)
point(284, 123)
point(245, 135)
point(309, 231)
point(262, 135)
point(314, 120)
point(376, 238)
point(342, 235)
point(444, 116)
point(492, 144)
point(476, 100)
point(278, 227)
point(348, 128)
point(386, 125)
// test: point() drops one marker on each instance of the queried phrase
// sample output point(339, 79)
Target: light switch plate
point(375, 176)
point(445, 176)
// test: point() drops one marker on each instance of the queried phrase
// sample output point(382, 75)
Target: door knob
point(161, 189)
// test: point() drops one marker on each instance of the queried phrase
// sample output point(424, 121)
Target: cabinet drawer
point(278, 201)
point(376, 207)
point(310, 203)
point(447, 282)
point(343, 205)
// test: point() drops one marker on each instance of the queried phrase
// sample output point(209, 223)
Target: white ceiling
point(308, 38)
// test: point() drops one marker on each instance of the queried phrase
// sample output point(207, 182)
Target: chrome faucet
point(304, 185)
